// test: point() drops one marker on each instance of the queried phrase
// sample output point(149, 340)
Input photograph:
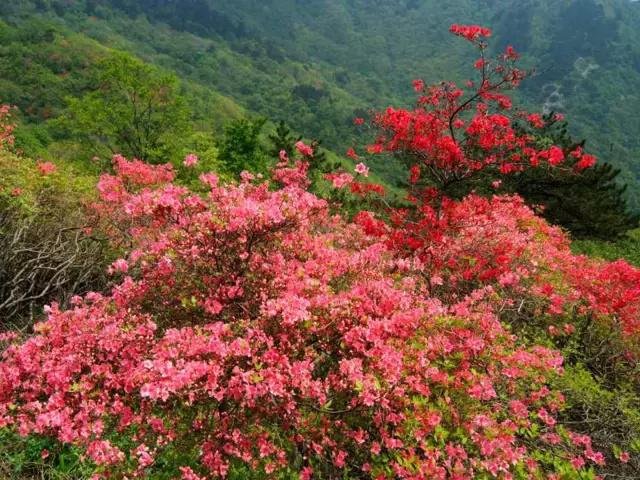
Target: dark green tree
point(590, 203)
point(240, 146)
point(282, 139)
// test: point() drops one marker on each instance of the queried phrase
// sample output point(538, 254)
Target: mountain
point(319, 63)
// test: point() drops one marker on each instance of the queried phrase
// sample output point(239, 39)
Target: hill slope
point(317, 63)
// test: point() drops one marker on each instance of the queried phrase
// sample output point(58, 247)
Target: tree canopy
point(132, 108)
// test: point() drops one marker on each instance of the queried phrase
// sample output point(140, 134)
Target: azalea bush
point(457, 136)
point(252, 332)
point(251, 327)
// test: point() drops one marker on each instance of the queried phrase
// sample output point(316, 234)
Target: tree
point(133, 109)
point(589, 202)
point(457, 138)
point(240, 146)
point(282, 139)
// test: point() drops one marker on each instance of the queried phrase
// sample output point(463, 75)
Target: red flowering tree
point(454, 133)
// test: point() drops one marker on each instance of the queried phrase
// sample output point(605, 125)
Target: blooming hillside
point(252, 332)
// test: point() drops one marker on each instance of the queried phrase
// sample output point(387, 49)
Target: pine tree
point(590, 203)
point(282, 139)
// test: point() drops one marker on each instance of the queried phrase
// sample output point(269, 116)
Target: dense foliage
point(252, 332)
point(316, 64)
point(131, 108)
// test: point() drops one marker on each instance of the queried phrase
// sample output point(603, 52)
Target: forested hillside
point(317, 64)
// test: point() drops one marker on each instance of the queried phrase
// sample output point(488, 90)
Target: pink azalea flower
point(362, 169)
point(119, 265)
point(304, 149)
point(190, 160)
point(46, 168)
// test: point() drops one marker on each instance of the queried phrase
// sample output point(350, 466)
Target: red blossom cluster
point(190, 160)
point(471, 32)
point(499, 243)
point(453, 133)
point(304, 149)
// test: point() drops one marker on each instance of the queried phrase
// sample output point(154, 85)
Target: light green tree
point(133, 108)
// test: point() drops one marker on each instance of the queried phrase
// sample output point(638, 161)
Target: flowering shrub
point(587, 308)
point(252, 330)
point(499, 242)
point(252, 327)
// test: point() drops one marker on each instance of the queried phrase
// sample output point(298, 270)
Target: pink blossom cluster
point(190, 160)
point(7, 126)
point(252, 325)
point(46, 168)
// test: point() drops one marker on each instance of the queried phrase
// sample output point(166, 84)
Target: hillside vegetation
point(223, 254)
point(316, 63)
